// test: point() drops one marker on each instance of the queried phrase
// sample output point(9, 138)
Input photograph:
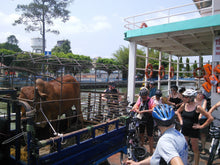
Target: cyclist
point(188, 114)
point(215, 111)
point(172, 146)
point(144, 107)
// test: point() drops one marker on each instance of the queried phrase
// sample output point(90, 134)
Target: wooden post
point(89, 106)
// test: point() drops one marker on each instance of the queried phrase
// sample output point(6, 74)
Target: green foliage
point(65, 47)
point(12, 40)
point(187, 74)
point(194, 66)
point(39, 13)
point(9, 46)
point(181, 66)
point(122, 56)
point(6, 60)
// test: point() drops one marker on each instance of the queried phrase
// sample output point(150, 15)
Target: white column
point(178, 69)
point(199, 84)
point(131, 71)
point(146, 62)
point(160, 57)
point(169, 80)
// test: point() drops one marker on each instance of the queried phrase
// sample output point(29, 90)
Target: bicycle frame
point(133, 141)
point(215, 133)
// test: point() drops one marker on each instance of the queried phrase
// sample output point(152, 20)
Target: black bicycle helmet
point(163, 114)
point(112, 83)
point(158, 93)
point(144, 92)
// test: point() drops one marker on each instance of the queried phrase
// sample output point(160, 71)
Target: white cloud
point(75, 25)
point(8, 19)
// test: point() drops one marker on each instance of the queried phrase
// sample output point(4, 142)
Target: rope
point(54, 132)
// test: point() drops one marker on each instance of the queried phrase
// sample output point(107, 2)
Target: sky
point(95, 29)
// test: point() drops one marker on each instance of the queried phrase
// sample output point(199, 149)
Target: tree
point(65, 47)
point(106, 64)
point(187, 67)
point(181, 66)
point(9, 46)
point(12, 40)
point(194, 65)
point(121, 56)
point(38, 13)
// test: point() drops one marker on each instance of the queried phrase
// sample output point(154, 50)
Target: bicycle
point(135, 151)
point(215, 134)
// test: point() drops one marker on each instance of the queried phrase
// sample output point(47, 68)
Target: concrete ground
point(115, 159)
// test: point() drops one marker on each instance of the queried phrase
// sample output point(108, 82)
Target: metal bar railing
point(134, 22)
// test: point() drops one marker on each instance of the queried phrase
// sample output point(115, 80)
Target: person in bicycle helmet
point(171, 147)
point(144, 107)
point(188, 114)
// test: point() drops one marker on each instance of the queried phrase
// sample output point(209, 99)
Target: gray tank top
point(216, 115)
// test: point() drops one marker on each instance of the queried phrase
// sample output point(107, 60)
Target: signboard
point(216, 55)
point(48, 53)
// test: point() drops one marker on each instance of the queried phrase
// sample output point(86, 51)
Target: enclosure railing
point(173, 14)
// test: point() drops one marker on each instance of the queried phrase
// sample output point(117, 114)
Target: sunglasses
point(185, 96)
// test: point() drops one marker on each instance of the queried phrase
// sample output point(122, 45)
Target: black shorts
point(149, 125)
point(190, 132)
point(206, 129)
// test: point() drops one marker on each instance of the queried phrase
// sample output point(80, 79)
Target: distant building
point(59, 43)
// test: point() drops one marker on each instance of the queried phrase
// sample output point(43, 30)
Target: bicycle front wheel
point(213, 151)
point(139, 153)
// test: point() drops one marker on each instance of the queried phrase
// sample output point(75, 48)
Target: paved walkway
point(115, 159)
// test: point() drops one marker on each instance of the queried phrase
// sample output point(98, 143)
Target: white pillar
point(160, 57)
point(131, 71)
point(178, 69)
point(146, 62)
point(199, 84)
point(169, 80)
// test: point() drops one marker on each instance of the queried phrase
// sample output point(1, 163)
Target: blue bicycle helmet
point(163, 115)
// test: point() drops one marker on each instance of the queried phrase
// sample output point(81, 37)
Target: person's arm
point(207, 115)
point(104, 96)
point(214, 107)
point(204, 107)
point(179, 104)
point(176, 161)
point(119, 97)
point(143, 162)
point(178, 113)
point(135, 108)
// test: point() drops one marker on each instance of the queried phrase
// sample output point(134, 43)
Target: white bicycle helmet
point(144, 92)
point(190, 93)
